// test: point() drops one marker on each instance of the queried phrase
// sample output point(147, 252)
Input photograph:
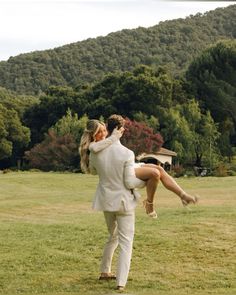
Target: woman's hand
point(118, 132)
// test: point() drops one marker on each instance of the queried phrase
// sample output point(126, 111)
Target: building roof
point(157, 155)
point(162, 151)
point(167, 152)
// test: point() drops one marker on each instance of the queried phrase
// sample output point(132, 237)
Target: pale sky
point(29, 25)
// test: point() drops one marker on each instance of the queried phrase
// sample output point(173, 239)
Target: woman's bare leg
point(166, 179)
point(152, 177)
point(170, 184)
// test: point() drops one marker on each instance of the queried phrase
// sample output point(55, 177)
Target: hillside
point(173, 43)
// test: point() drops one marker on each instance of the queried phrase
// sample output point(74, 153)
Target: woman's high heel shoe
point(151, 214)
point(187, 199)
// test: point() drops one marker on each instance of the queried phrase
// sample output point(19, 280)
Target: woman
point(94, 140)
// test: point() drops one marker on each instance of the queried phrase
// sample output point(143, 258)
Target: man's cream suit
point(115, 167)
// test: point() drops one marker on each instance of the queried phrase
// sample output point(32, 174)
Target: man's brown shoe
point(107, 277)
point(120, 288)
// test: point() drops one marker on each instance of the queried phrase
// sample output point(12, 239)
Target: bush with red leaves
point(140, 138)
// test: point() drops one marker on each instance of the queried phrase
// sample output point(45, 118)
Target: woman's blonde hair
point(88, 136)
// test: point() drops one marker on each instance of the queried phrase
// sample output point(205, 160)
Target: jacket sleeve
point(98, 146)
point(130, 180)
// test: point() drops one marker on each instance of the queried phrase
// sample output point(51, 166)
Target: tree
point(177, 133)
point(13, 135)
point(58, 153)
point(190, 133)
point(51, 107)
point(212, 82)
point(70, 124)
point(205, 142)
point(140, 138)
point(143, 90)
point(224, 141)
point(60, 148)
point(152, 121)
point(19, 103)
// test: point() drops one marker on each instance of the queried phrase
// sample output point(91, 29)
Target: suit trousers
point(120, 226)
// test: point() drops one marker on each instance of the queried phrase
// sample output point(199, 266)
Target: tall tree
point(143, 90)
point(71, 124)
point(192, 134)
point(51, 107)
point(212, 79)
point(13, 135)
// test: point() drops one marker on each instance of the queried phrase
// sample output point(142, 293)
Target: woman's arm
point(97, 146)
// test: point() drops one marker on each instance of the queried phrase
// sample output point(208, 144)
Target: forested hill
point(173, 43)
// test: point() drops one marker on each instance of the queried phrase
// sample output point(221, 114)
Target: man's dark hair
point(115, 121)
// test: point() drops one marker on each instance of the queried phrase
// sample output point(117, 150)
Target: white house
point(163, 157)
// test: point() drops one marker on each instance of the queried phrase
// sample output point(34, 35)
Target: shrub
point(5, 171)
point(140, 138)
point(221, 170)
point(57, 153)
point(231, 173)
point(178, 171)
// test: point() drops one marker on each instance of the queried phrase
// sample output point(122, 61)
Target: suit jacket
point(115, 168)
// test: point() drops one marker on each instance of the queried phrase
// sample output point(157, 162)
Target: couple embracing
point(116, 194)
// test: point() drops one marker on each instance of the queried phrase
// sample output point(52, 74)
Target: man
point(115, 166)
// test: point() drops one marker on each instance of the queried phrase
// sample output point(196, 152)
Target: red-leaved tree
point(57, 153)
point(140, 138)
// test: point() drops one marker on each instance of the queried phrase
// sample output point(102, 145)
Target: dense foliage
point(142, 90)
point(139, 137)
point(192, 114)
point(60, 148)
point(212, 79)
point(50, 108)
point(14, 101)
point(212, 76)
point(58, 153)
point(173, 43)
point(13, 135)
point(154, 102)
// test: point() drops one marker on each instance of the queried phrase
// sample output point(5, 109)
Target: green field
point(51, 241)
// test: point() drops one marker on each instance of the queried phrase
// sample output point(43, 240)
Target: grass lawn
point(51, 241)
